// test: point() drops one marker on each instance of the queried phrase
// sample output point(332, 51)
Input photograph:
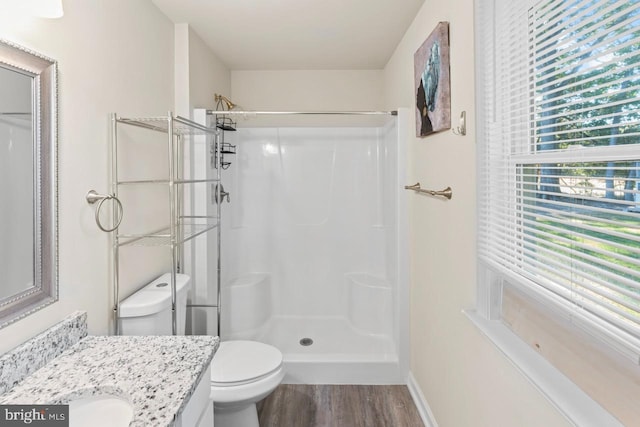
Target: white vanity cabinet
point(199, 409)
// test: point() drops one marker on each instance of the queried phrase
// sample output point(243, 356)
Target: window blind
point(559, 175)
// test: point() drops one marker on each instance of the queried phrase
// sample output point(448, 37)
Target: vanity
point(159, 380)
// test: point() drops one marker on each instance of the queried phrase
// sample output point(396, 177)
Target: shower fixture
point(223, 101)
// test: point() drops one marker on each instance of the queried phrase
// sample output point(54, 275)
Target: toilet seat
point(243, 362)
point(242, 374)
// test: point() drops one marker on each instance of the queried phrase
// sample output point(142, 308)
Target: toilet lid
point(238, 362)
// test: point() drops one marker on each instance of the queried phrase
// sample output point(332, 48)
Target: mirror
point(28, 185)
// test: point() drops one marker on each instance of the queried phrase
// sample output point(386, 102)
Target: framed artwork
point(432, 82)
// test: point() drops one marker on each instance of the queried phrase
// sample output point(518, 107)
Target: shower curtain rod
point(282, 113)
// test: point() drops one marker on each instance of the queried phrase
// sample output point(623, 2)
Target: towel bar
point(447, 192)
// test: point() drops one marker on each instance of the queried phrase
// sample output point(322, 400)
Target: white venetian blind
point(560, 158)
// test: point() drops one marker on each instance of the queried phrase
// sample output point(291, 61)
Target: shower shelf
point(228, 148)
point(225, 148)
point(182, 225)
point(225, 123)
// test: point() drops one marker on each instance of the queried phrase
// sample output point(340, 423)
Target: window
point(559, 161)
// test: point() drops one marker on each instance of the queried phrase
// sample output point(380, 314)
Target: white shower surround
point(311, 244)
point(312, 248)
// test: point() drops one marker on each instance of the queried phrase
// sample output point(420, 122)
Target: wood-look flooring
point(296, 405)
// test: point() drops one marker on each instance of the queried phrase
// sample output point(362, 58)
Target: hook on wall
point(462, 127)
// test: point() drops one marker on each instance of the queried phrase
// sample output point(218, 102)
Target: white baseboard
point(421, 403)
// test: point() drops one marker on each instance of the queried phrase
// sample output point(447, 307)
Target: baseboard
point(421, 403)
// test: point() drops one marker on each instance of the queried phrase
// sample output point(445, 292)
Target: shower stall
point(313, 244)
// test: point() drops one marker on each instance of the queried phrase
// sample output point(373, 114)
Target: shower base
point(338, 354)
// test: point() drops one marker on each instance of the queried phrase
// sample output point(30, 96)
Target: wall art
point(432, 82)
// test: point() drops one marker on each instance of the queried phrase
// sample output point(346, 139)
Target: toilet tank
point(148, 311)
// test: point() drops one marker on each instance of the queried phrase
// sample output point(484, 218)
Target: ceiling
point(297, 34)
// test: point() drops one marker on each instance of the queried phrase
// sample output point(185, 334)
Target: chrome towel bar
point(447, 192)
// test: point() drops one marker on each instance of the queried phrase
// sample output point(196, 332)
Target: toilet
point(242, 372)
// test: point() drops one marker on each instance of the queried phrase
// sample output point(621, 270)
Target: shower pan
point(313, 245)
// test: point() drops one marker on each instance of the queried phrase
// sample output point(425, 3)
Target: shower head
point(223, 101)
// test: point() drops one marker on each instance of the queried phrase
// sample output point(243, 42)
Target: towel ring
point(93, 197)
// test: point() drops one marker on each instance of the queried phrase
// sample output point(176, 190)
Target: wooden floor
point(339, 406)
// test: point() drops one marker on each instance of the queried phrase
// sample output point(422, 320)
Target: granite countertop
point(157, 374)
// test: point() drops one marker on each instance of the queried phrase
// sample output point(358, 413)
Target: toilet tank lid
point(154, 297)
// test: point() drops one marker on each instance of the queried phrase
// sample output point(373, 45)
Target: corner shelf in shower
point(182, 227)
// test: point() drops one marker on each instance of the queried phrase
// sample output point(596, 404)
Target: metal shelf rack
point(181, 228)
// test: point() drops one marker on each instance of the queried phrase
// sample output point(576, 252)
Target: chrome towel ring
point(93, 197)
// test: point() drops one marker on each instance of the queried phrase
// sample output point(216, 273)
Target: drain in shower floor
point(306, 341)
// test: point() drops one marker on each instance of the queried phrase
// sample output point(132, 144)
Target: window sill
point(564, 395)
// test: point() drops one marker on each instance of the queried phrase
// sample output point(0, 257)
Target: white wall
point(199, 73)
point(464, 378)
point(208, 75)
point(307, 90)
point(199, 76)
point(113, 56)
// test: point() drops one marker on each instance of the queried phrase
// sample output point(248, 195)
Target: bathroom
point(129, 57)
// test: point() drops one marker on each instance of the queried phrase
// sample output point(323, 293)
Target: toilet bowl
point(243, 373)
